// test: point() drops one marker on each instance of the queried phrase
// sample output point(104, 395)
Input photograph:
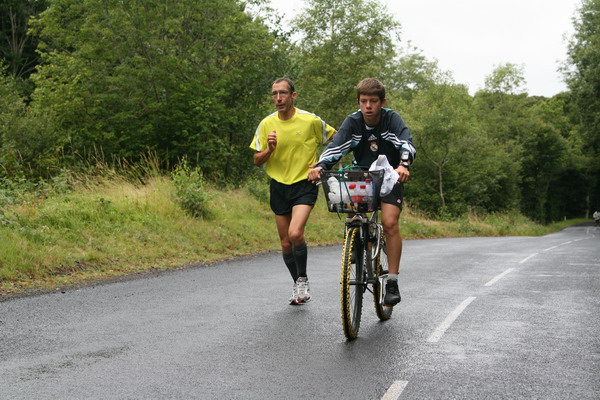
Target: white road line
point(527, 258)
point(439, 332)
point(562, 244)
point(497, 278)
point(394, 392)
point(584, 264)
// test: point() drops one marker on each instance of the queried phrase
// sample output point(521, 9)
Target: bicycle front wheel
point(353, 282)
point(381, 267)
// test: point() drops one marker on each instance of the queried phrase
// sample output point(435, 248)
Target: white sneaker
point(294, 299)
point(303, 289)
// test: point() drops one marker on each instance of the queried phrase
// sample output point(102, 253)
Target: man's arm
point(340, 145)
point(403, 138)
point(403, 173)
point(403, 143)
point(261, 157)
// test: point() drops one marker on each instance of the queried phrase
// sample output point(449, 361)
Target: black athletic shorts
point(284, 197)
point(396, 196)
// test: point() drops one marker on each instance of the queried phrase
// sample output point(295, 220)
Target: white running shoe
point(303, 289)
point(294, 299)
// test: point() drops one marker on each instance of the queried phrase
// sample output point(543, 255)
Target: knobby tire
point(381, 267)
point(352, 273)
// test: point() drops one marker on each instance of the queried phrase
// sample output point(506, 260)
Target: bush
point(258, 187)
point(190, 190)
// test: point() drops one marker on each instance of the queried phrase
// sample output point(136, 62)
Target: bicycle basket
point(349, 191)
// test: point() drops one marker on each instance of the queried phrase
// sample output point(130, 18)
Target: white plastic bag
point(390, 176)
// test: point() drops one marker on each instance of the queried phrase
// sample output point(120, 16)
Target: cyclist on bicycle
point(368, 133)
point(286, 141)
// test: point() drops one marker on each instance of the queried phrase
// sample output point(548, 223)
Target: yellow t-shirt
point(297, 141)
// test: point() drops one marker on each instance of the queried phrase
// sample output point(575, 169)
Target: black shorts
point(284, 197)
point(396, 196)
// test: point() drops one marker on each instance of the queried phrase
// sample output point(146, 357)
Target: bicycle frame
point(370, 233)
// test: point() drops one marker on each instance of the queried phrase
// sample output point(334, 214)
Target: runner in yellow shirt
point(286, 141)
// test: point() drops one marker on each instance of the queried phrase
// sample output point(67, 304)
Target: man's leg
point(390, 214)
point(283, 227)
point(300, 214)
point(291, 235)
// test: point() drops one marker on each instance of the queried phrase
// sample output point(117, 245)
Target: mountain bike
point(364, 259)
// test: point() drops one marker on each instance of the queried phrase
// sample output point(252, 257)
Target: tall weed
point(190, 190)
point(258, 187)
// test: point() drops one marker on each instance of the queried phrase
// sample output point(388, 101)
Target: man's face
point(282, 97)
point(370, 106)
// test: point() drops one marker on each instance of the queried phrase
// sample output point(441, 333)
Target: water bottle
point(370, 193)
point(362, 196)
point(354, 196)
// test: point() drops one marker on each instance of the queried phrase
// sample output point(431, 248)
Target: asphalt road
point(481, 318)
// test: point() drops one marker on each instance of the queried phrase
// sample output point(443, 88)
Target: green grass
point(106, 228)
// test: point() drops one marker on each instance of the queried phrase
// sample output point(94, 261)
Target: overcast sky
point(471, 37)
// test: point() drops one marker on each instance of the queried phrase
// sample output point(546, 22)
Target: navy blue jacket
point(390, 137)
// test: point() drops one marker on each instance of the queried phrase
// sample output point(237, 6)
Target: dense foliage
point(583, 78)
point(186, 79)
point(17, 48)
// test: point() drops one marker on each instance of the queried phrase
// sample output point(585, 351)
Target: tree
point(11, 105)
point(500, 111)
point(554, 152)
point(506, 78)
point(583, 78)
point(177, 77)
point(17, 47)
point(536, 134)
point(457, 166)
point(27, 139)
point(545, 157)
point(500, 103)
point(341, 42)
point(413, 72)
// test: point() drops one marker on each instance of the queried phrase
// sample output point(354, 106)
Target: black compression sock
point(300, 256)
point(290, 263)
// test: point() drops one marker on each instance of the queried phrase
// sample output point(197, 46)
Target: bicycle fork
point(370, 235)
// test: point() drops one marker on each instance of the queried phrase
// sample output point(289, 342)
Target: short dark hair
point(289, 83)
point(370, 86)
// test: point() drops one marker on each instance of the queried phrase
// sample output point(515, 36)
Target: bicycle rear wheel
point(381, 267)
point(353, 282)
